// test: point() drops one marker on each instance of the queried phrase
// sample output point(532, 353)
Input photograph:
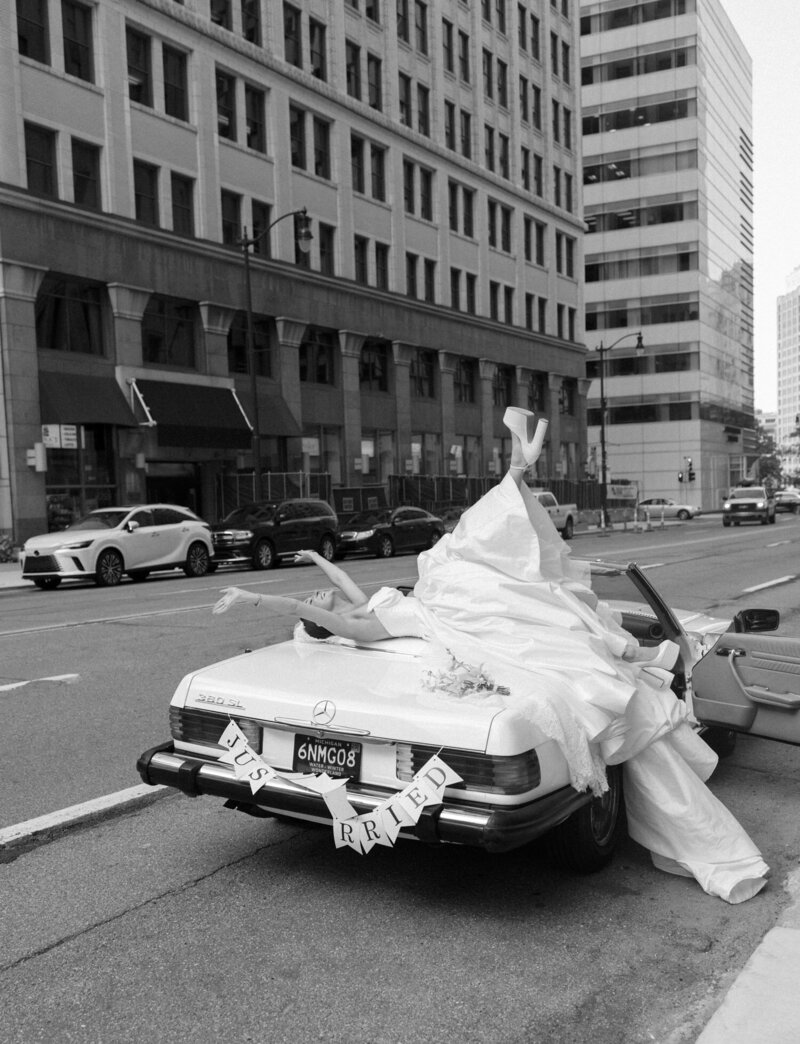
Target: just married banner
point(359, 832)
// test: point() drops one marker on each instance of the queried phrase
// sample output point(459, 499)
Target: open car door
point(750, 683)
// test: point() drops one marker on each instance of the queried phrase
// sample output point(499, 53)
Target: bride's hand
point(306, 558)
point(230, 595)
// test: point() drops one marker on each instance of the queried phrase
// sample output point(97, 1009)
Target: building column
point(216, 321)
point(402, 353)
point(487, 370)
point(447, 369)
point(584, 384)
point(127, 308)
point(23, 509)
point(554, 382)
point(350, 345)
point(290, 336)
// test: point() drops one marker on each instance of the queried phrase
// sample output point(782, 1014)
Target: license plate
point(336, 757)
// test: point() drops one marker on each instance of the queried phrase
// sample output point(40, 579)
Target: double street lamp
point(602, 349)
point(303, 237)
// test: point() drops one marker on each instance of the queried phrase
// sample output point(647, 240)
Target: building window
point(254, 117)
point(378, 162)
point(221, 13)
point(317, 49)
point(140, 78)
point(360, 247)
point(529, 303)
point(40, 161)
point(488, 79)
point(503, 155)
point(537, 393)
point(375, 82)
point(77, 26)
point(297, 137)
point(411, 274)
point(502, 84)
point(373, 368)
point(238, 349)
point(542, 304)
point(251, 21)
point(404, 99)
point(292, 36)
point(535, 38)
point(226, 106)
point(426, 194)
point(466, 134)
point(182, 204)
point(539, 241)
point(231, 213)
point(494, 301)
point(448, 54)
point(538, 175)
point(455, 288)
point(32, 31)
point(86, 174)
point(326, 238)
point(423, 110)
point(403, 29)
point(69, 315)
point(175, 84)
point(468, 212)
point(508, 305)
point(429, 280)
point(524, 100)
point(488, 147)
point(464, 380)
point(503, 386)
point(262, 219)
point(382, 266)
point(317, 354)
point(500, 12)
point(525, 168)
point(450, 125)
point(409, 201)
point(372, 9)
point(470, 292)
point(322, 148)
point(352, 66)
point(168, 332)
point(421, 26)
point(357, 162)
point(423, 374)
point(557, 186)
point(463, 58)
point(536, 107)
point(145, 192)
point(565, 63)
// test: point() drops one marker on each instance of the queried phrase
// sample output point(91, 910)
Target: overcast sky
point(770, 30)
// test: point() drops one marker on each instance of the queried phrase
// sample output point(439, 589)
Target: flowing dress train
point(501, 592)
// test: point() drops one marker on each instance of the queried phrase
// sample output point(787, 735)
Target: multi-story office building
point(435, 149)
point(788, 415)
point(668, 169)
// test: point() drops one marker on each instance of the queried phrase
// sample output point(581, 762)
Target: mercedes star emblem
point(324, 712)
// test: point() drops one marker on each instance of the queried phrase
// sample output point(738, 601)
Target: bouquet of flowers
point(461, 679)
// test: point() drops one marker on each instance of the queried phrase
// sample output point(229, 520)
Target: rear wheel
point(434, 538)
point(48, 583)
point(327, 549)
point(197, 559)
point(726, 522)
point(385, 547)
point(264, 556)
point(569, 529)
point(109, 569)
point(586, 841)
point(683, 515)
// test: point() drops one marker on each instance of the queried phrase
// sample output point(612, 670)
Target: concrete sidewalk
point(11, 575)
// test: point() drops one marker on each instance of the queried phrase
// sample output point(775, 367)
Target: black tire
point(197, 559)
point(726, 522)
point(586, 842)
point(264, 556)
point(47, 583)
point(683, 515)
point(569, 530)
point(109, 568)
point(434, 538)
point(764, 519)
point(327, 548)
point(138, 575)
point(722, 741)
point(772, 518)
point(385, 547)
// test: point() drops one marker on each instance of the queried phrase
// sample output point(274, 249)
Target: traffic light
point(680, 476)
point(690, 471)
point(691, 475)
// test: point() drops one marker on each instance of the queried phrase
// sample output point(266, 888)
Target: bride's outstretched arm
point(360, 625)
point(337, 576)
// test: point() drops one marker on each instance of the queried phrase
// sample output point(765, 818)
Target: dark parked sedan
point(384, 532)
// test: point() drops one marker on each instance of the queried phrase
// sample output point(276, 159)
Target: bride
point(502, 590)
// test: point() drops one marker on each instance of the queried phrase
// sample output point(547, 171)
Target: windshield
point(747, 493)
point(611, 584)
point(250, 513)
point(368, 518)
point(109, 519)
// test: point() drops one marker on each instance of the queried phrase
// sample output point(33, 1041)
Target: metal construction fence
point(236, 489)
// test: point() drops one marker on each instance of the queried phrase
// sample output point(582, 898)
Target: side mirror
point(748, 621)
point(132, 526)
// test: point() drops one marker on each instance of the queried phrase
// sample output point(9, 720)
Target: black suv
point(263, 533)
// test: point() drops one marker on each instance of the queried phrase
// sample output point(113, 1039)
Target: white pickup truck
point(563, 515)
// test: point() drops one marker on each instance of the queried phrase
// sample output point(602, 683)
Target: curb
point(46, 828)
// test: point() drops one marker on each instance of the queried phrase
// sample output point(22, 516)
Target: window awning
point(195, 415)
point(73, 398)
point(274, 416)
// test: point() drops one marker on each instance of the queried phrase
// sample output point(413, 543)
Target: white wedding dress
point(501, 592)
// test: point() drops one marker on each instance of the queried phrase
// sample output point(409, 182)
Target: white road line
point(78, 813)
point(769, 583)
point(779, 543)
point(68, 678)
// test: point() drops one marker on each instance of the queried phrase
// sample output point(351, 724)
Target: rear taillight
point(491, 774)
point(206, 727)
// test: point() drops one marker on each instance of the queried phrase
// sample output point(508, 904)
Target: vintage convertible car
point(345, 735)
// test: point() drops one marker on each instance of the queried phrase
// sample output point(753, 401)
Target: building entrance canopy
point(194, 415)
point(71, 398)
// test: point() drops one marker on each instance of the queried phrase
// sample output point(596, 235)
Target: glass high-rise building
point(668, 193)
point(788, 415)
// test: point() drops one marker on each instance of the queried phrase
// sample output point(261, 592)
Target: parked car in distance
point(663, 507)
point(788, 500)
point(110, 542)
point(562, 516)
point(261, 534)
point(749, 504)
point(363, 712)
point(385, 531)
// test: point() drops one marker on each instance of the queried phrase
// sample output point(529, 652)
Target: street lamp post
point(303, 238)
point(602, 349)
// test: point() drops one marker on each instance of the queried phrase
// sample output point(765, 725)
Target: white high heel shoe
point(530, 434)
